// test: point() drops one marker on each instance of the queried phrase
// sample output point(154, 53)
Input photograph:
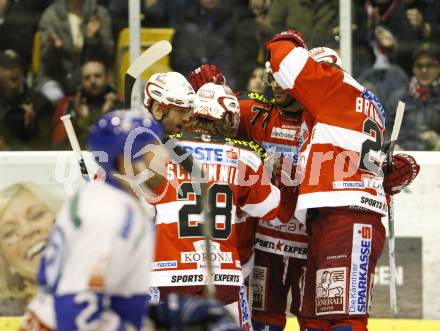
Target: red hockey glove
point(206, 73)
point(290, 35)
point(405, 170)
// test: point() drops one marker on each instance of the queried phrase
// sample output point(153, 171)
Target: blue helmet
point(115, 129)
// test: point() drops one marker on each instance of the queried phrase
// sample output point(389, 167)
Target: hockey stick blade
point(153, 54)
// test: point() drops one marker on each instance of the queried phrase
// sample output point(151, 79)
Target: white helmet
point(215, 101)
point(169, 88)
point(325, 54)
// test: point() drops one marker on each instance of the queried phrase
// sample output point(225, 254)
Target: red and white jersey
point(278, 133)
point(237, 182)
point(342, 133)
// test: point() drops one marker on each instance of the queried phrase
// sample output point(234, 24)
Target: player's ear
point(156, 111)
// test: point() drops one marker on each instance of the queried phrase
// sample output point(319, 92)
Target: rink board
point(12, 323)
point(416, 228)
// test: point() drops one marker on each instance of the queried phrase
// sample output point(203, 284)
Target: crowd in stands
point(395, 55)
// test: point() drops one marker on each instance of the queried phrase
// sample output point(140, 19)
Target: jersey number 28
point(220, 201)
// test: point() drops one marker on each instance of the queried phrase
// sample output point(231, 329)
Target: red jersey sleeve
point(245, 118)
point(257, 196)
point(313, 83)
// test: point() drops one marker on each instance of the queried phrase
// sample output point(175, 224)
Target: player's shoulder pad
point(248, 145)
point(255, 96)
point(173, 136)
point(192, 136)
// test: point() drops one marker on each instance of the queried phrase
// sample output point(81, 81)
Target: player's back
point(236, 182)
point(97, 257)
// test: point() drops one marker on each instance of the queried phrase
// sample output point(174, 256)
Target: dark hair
point(90, 59)
point(428, 49)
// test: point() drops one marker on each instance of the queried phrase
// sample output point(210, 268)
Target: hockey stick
point(391, 239)
point(153, 54)
point(75, 146)
point(142, 63)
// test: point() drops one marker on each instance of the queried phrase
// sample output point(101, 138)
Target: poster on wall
point(32, 189)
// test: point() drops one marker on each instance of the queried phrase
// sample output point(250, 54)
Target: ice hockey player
point(237, 182)
point(279, 266)
point(280, 249)
point(340, 184)
point(169, 97)
point(93, 273)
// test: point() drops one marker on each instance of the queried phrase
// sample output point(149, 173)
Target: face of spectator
point(281, 96)
point(256, 83)
point(209, 4)
point(11, 80)
point(426, 69)
point(24, 228)
point(259, 7)
point(93, 78)
point(381, 2)
point(75, 2)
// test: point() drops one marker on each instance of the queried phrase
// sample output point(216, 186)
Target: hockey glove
point(404, 170)
point(206, 73)
point(291, 35)
point(179, 313)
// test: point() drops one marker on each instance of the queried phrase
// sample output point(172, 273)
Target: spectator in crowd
point(205, 35)
point(256, 81)
point(27, 213)
point(252, 31)
point(408, 21)
point(316, 18)
point(154, 13)
point(24, 113)
point(162, 13)
point(118, 10)
point(70, 31)
point(383, 77)
point(421, 127)
point(94, 97)
point(17, 28)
